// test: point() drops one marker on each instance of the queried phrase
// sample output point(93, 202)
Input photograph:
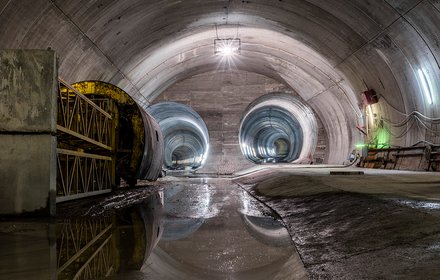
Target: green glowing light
point(382, 139)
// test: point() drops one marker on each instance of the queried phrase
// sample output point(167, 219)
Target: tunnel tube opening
point(281, 147)
point(278, 128)
point(186, 137)
point(182, 156)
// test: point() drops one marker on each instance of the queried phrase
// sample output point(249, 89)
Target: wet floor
point(374, 226)
point(215, 230)
point(191, 229)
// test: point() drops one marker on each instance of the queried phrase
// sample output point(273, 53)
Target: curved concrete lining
point(327, 51)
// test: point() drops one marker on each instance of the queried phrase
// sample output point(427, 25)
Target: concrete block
point(28, 116)
point(27, 174)
point(28, 251)
point(27, 87)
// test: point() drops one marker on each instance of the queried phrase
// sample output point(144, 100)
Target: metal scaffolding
point(86, 145)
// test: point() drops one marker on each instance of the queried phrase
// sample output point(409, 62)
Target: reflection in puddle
point(84, 249)
point(100, 247)
point(231, 237)
point(191, 230)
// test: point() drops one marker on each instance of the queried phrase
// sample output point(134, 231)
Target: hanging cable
point(412, 113)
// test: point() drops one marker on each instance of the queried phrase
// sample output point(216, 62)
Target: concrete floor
point(309, 179)
point(380, 225)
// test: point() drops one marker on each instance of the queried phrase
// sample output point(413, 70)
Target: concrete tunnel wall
point(221, 99)
point(326, 51)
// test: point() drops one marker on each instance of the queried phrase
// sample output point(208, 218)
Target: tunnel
point(235, 85)
point(186, 137)
point(278, 128)
point(325, 52)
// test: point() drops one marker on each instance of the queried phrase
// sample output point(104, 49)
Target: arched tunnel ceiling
point(129, 32)
point(327, 51)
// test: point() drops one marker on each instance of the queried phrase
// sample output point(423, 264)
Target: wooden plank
point(409, 155)
point(346, 172)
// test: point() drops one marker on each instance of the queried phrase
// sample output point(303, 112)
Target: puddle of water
point(100, 247)
point(227, 235)
point(431, 207)
point(204, 229)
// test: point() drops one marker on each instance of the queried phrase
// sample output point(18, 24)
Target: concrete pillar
point(28, 110)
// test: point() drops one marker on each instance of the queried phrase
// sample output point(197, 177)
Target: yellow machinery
point(86, 145)
point(103, 136)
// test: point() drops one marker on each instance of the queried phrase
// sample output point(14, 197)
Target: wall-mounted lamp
point(369, 97)
point(227, 47)
point(425, 85)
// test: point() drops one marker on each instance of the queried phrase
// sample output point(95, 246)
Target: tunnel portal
point(186, 136)
point(278, 128)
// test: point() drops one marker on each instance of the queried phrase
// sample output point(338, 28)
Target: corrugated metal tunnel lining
point(186, 137)
point(278, 128)
point(271, 135)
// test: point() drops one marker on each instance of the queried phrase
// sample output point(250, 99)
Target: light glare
point(227, 47)
point(425, 85)
point(226, 50)
point(371, 114)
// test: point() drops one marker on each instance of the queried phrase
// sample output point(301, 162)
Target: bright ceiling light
point(226, 50)
point(227, 47)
